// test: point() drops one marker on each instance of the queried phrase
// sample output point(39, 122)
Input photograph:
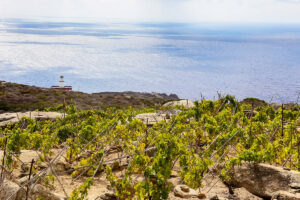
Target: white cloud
point(156, 10)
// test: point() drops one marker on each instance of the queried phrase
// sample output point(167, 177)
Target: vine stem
point(28, 186)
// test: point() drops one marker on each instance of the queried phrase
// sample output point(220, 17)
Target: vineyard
point(71, 156)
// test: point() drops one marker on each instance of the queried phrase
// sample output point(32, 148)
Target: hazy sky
point(156, 10)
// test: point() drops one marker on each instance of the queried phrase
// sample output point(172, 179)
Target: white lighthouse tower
point(61, 82)
point(62, 85)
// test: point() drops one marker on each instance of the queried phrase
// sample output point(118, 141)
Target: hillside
point(214, 150)
point(18, 97)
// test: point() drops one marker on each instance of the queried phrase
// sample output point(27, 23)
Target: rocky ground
point(248, 182)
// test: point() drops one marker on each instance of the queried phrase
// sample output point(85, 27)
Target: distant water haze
point(250, 60)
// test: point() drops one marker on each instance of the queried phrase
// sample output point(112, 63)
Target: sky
point(252, 11)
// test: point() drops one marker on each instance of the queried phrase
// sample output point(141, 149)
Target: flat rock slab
point(7, 118)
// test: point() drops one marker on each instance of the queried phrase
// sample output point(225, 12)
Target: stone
point(243, 194)
point(7, 118)
point(40, 191)
point(10, 189)
point(215, 186)
point(216, 197)
point(295, 185)
point(184, 191)
point(185, 103)
point(60, 166)
point(283, 195)
point(108, 196)
point(151, 118)
point(264, 180)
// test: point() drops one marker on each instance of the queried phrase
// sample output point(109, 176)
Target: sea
point(192, 60)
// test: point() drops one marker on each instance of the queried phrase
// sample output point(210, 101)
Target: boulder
point(283, 195)
point(151, 118)
point(9, 188)
point(184, 191)
point(7, 118)
point(264, 180)
point(185, 103)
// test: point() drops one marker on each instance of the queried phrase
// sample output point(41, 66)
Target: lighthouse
point(62, 85)
point(61, 82)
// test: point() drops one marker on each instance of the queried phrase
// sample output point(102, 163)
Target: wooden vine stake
point(146, 145)
point(28, 185)
point(3, 161)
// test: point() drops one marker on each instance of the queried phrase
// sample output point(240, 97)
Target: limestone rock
point(8, 189)
point(215, 186)
point(184, 191)
point(108, 196)
point(295, 186)
point(151, 118)
point(243, 194)
point(185, 103)
point(264, 180)
point(283, 195)
point(7, 118)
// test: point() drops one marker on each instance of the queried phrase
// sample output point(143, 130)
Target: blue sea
point(190, 60)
